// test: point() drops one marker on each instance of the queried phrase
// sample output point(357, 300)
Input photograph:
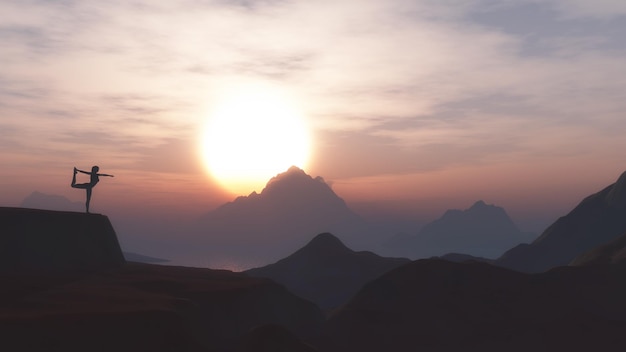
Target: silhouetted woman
point(93, 181)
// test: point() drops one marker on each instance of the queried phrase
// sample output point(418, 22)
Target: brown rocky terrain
point(88, 299)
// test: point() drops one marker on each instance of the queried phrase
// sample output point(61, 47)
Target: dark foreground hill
point(327, 272)
point(144, 307)
point(272, 338)
point(65, 287)
point(437, 305)
point(598, 219)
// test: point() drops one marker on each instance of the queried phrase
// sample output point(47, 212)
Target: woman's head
point(95, 169)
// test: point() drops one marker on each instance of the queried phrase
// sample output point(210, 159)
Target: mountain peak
point(480, 208)
point(325, 242)
point(483, 230)
point(327, 272)
point(479, 204)
point(294, 169)
point(297, 184)
point(293, 174)
point(326, 238)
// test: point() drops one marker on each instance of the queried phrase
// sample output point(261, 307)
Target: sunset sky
point(411, 107)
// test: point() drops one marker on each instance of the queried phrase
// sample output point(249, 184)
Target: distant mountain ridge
point(483, 230)
point(291, 193)
point(327, 272)
point(596, 220)
point(39, 200)
point(290, 209)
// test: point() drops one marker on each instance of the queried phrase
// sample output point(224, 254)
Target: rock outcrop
point(44, 241)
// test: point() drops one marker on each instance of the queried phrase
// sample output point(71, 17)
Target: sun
point(254, 132)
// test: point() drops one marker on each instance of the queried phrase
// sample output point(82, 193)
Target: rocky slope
point(598, 219)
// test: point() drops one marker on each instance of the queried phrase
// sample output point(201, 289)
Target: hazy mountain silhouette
point(65, 287)
point(292, 207)
point(482, 230)
point(598, 219)
point(38, 200)
point(327, 272)
point(437, 305)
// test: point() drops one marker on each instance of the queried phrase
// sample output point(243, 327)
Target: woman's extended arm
point(106, 175)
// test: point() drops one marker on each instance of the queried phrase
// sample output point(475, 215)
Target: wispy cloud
point(444, 81)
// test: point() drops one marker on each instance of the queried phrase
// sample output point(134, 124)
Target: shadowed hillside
point(327, 272)
point(598, 219)
point(613, 252)
point(436, 305)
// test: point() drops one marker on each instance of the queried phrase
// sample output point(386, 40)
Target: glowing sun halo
point(252, 134)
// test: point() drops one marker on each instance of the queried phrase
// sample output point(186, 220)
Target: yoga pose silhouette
point(93, 181)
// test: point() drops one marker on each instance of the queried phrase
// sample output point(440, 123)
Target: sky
point(413, 107)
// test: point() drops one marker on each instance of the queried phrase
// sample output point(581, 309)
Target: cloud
point(599, 9)
point(461, 80)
